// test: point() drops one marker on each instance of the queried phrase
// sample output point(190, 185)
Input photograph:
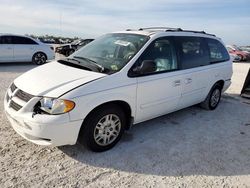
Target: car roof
point(16, 35)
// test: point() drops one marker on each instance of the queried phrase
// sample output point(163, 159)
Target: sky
point(228, 19)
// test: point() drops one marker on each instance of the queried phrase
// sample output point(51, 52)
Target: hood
point(54, 79)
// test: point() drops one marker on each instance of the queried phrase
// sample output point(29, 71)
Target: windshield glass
point(112, 51)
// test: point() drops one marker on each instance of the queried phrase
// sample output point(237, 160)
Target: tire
point(103, 128)
point(39, 58)
point(213, 98)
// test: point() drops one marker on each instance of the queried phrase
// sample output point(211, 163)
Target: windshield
point(112, 51)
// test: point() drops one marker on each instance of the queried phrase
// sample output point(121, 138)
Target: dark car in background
point(68, 49)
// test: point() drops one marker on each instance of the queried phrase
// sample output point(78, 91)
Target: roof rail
point(161, 28)
point(170, 29)
point(201, 32)
point(131, 29)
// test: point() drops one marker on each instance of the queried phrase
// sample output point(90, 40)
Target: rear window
point(218, 52)
point(192, 52)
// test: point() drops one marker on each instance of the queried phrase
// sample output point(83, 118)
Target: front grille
point(18, 94)
point(15, 106)
point(13, 87)
point(23, 95)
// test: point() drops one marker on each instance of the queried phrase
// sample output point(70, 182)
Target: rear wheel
point(39, 58)
point(103, 128)
point(213, 98)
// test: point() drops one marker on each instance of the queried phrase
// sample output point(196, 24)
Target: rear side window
point(218, 52)
point(23, 40)
point(6, 40)
point(192, 52)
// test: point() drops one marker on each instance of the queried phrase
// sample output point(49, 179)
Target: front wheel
point(213, 98)
point(39, 58)
point(103, 128)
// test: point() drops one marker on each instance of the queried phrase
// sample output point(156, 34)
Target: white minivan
point(118, 80)
point(17, 48)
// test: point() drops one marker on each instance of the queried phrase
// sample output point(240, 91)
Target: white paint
point(147, 96)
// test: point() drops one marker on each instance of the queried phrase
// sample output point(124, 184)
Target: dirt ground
point(188, 148)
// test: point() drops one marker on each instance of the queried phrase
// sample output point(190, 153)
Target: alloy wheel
point(107, 129)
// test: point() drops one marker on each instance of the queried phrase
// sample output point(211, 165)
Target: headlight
point(56, 106)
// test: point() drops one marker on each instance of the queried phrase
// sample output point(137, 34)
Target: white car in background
point(17, 48)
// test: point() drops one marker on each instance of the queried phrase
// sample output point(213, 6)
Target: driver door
point(158, 92)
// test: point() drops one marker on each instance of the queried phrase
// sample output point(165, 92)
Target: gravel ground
point(188, 148)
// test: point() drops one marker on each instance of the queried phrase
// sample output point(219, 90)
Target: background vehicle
point(245, 48)
point(17, 48)
point(232, 49)
point(68, 49)
point(235, 58)
point(118, 80)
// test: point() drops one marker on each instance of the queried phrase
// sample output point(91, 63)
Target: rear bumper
point(227, 84)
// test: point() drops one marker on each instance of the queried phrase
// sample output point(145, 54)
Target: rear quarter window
point(217, 52)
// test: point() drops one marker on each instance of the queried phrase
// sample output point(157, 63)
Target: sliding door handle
point(177, 83)
point(188, 80)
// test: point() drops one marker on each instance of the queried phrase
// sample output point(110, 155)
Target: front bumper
point(54, 130)
point(51, 56)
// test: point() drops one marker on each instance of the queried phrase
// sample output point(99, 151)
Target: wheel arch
point(220, 82)
point(40, 52)
point(206, 103)
point(120, 103)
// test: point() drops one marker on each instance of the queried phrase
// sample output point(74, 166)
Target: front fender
point(85, 104)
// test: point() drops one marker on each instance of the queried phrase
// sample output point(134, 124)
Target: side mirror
point(147, 66)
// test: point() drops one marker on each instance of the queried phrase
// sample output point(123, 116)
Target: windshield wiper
point(74, 63)
point(99, 67)
point(72, 59)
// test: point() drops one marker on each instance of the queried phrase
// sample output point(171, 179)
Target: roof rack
point(169, 29)
point(191, 31)
point(156, 28)
point(161, 28)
